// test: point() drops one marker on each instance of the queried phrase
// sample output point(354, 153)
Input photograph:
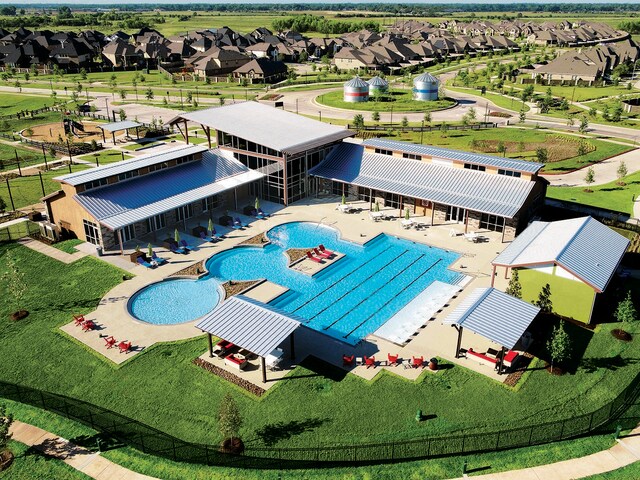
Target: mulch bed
point(499, 114)
point(259, 239)
point(11, 216)
point(6, 459)
point(523, 363)
point(556, 370)
point(230, 377)
point(193, 270)
point(233, 287)
point(19, 315)
point(296, 254)
point(621, 335)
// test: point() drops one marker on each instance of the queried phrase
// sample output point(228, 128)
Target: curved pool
point(347, 300)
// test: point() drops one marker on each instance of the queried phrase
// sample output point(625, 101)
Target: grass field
point(499, 100)
point(68, 246)
point(402, 101)
point(29, 464)
point(610, 195)
point(12, 103)
point(27, 157)
point(105, 156)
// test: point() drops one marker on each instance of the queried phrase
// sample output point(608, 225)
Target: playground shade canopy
point(117, 126)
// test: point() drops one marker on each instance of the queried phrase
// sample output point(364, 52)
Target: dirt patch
point(499, 114)
point(52, 132)
point(233, 287)
point(296, 254)
point(621, 335)
point(523, 363)
point(230, 377)
point(558, 148)
point(19, 315)
point(558, 371)
point(259, 239)
point(193, 270)
point(233, 445)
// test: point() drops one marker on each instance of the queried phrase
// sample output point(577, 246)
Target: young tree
point(542, 154)
point(375, 116)
point(621, 172)
point(515, 288)
point(584, 124)
point(589, 178)
point(404, 122)
point(5, 424)
point(559, 345)
point(123, 94)
point(523, 116)
point(593, 111)
point(544, 299)
point(83, 74)
point(472, 114)
point(444, 128)
point(502, 148)
point(358, 121)
point(122, 114)
point(149, 94)
point(626, 311)
point(229, 418)
point(427, 117)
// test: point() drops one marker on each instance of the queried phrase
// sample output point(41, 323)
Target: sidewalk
point(49, 251)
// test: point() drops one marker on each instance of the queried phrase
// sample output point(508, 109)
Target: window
point(184, 212)
point(126, 175)
point(155, 223)
point(412, 156)
point(210, 203)
point(382, 151)
point(127, 233)
point(91, 232)
point(492, 222)
point(181, 160)
point(95, 183)
point(508, 173)
point(473, 166)
point(158, 166)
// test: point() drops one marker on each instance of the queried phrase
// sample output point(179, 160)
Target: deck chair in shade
point(234, 225)
point(143, 262)
point(311, 257)
point(205, 238)
point(237, 221)
point(322, 249)
point(321, 254)
point(370, 361)
point(157, 259)
point(175, 248)
point(347, 361)
point(185, 245)
point(216, 236)
point(392, 359)
point(260, 212)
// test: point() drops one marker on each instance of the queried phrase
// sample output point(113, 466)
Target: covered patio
point(498, 317)
point(114, 127)
point(248, 329)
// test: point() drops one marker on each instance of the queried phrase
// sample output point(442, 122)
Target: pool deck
point(432, 340)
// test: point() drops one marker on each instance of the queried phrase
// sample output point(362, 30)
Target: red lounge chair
point(417, 362)
point(322, 249)
point(392, 359)
point(370, 361)
point(124, 347)
point(321, 254)
point(471, 351)
point(509, 358)
point(88, 325)
point(348, 361)
point(79, 319)
point(311, 257)
point(110, 342)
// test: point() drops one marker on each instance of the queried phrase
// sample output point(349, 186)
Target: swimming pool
point(347, 300)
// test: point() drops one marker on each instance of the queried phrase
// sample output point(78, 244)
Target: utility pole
point(41, 182)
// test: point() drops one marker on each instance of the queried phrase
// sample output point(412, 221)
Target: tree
point(544, 299)
point(542, 154)
point(123, 94)
point(472, 114)
point(502, 148)
point(427, 117)
point(584, 124)
point(18, 85)
point(6, 419)
point(83, 74)
point(149, 94)
point(559, 345)
point(570, 121)
point(358, 121)
point(304, 56)
point(616, 114)
point(621, 172)
point(122, 114)
point(593, 112)
point(404, 122)
point(229, 418)
point(375, 116)
point(589, 178)
point(626, 311)
point(564, 104)
point(523, 116)
point(444, 128)
point(515, 288)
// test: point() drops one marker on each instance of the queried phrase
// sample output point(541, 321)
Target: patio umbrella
point(150, 250)
point(176, 236)
point(344, 199)
point(377, 207)
point(210, 227)
point(257, 204)
point(406, 214)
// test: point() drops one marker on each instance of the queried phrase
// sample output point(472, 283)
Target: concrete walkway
point(49, 251)
point(625, 452)
point(83, 460)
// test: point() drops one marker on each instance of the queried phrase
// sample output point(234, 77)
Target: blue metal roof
point(467, 157)
point(250, 324)
point(495, 315)
point(136, 199)
point(460, 187)
point(583, 246)
point(117, 168)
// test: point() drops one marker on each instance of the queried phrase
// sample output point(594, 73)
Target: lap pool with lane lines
point(348, 300)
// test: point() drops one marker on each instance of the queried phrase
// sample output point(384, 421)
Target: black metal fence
point(16, 232)
point(155, 442)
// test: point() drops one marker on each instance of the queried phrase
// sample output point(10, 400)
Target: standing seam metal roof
point(378, 82)
point(117, 168)
point(268, 126)
point(583, 246)
point(495, 315)
point(249, 324)
point(356, 82)
point(488, 160)
point(478, 191)
point(133, 200)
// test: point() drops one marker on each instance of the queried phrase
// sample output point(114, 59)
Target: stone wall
point(440, 214)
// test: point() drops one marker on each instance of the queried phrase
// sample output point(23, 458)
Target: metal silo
point(425, 87)
point(377, 85)
point(356, 90)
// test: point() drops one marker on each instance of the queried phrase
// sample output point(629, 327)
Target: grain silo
point(356, 90)
point(377, 85)
point(425, 87)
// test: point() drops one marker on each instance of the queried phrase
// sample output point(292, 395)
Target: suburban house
point(576, 257)
point(218, 62)
point(120, 53)
point(261, 70)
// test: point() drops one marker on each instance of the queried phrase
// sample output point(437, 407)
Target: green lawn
point(27, 157)
point(499, 100)
point(28, 191)
point(106, 156)
point(141, 144)
point(630, 472)
point(315, 406)
point(609, 195)
point(68, 245)
point(29, 464)
point(402, 102)
point(14, 102)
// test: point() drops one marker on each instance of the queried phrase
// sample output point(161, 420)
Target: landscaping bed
point(296, 254)
point(193, 270)
point(259, 239)
point(234, 287)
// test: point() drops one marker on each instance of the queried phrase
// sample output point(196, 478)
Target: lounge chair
point(143, 262)
point(370, 361)
point(417, 362)
point(392, 359)
point(110, 342)
point(186, 246)
point(311, 257)
point(261, 212)
point(216, 236)
point(175, 248)
point(472, 237)
point(347, 361)
point(79, 320)
point(124, 346)
point(234, 225)
point(157, 259)
point(205, 238)
point(256, 214)
point(88, 325)
point(324, 250)
point(321, 254)
point(237, 221)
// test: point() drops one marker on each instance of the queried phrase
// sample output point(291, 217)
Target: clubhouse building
point(281, 157)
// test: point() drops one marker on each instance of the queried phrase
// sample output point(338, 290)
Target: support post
point(113, 135)
point(137, 134)
point(41, 183)
point(18, 162)
point(104, 139)
point(401, 205)
point(292, 345)
point(120, 241)
point(501, 362)
point(371, 199)
point(13, 207)
point(44, 154)
point(459, 343)
point(210, 341)
point(493, 276)
point(186, 132)
point(263, 366)
point(235, 198)
point(433, 212)
point(466, 220)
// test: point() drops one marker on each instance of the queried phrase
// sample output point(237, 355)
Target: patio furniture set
point(238, 358)
point(492, 357)
point(320, 253)
point(110, 342)
point(392, 360)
